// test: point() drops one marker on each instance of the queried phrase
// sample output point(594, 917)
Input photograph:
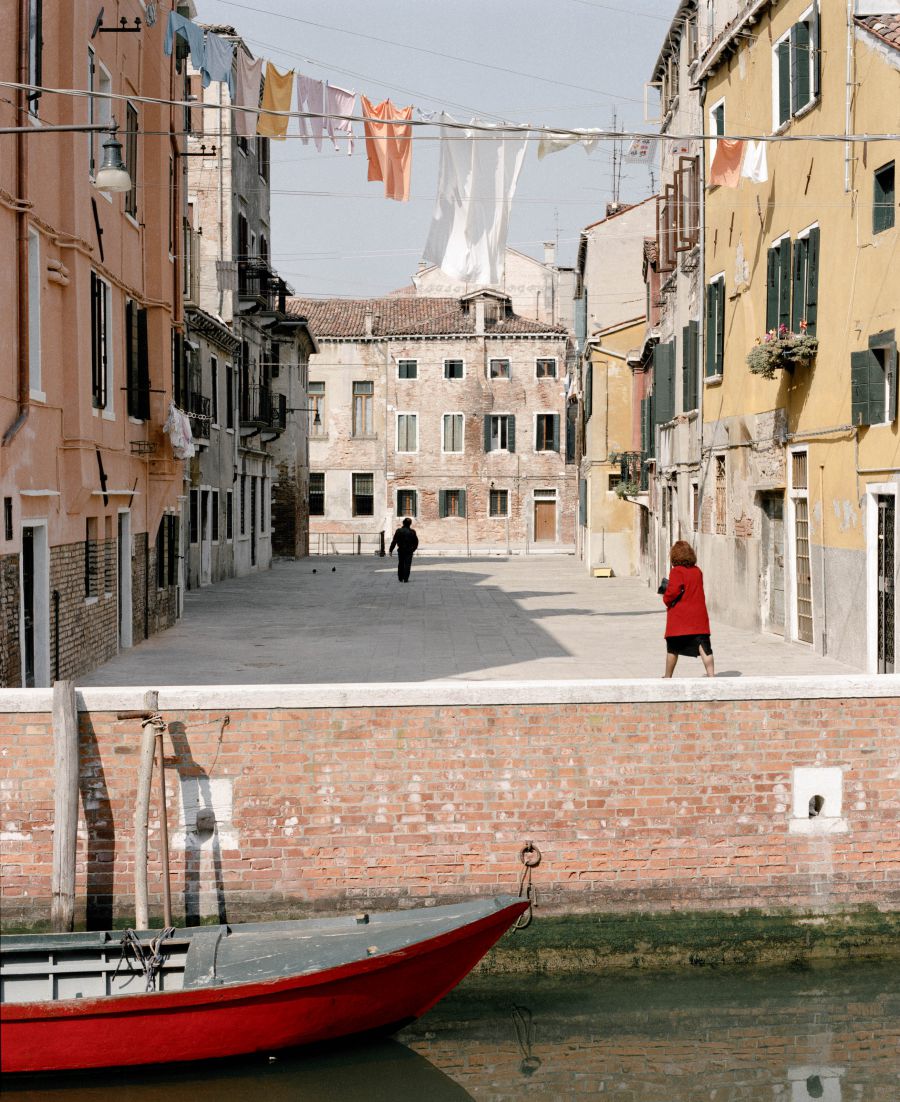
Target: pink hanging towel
point(311, 98)
point(246, 94)
point(726, 166)
point(388, 146)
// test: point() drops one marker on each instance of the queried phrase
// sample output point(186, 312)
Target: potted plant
point(782, 349)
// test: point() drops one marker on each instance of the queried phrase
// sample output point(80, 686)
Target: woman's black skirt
point(688, 645)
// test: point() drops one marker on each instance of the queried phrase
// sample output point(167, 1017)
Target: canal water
point(830, 1034)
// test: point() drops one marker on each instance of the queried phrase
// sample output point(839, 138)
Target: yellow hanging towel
point(276, 97)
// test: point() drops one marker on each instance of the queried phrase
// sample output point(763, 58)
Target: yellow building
point(798, 509)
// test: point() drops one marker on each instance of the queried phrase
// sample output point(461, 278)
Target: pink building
point(90, 315)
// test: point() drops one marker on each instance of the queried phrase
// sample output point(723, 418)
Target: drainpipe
point(848, 109)
point(701, 323)
point(24, 387)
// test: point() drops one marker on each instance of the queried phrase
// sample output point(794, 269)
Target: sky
point(574, 62)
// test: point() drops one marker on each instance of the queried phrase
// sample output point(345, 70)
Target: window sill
point(713, 380)
point(230, 432)
point(363, 436)
point(91, 600)
point(37, 396)
point(133, 220)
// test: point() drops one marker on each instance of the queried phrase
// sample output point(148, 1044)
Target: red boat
point(93, 1000)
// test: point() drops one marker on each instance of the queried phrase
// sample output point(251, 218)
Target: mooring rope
point(530, 856)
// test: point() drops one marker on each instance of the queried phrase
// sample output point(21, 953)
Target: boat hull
point(378, 994)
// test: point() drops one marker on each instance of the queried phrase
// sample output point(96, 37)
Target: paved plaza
point(347, 619)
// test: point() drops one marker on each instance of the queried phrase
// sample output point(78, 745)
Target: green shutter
point(647, 436)
point(815, 40)
point(883, 198)
point(799, 66)
point(143, 367)
point(890, 354)
point(686, 369)
point(556, 432)
point(511, 433)
point(710, 333)
point(487, 432)
point(462, 503)
point(720, 327)
point(783, 53)
point(694, 330)
point(784, 283)
point(866, 388)
point(772, 290)
point(798, 284)
point(589, 392)
point(812, 281)
point(442, 503)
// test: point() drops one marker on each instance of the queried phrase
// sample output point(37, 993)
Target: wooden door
point(544, 521)
point(773, 562)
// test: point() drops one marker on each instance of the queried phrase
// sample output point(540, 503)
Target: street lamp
point(112, 175)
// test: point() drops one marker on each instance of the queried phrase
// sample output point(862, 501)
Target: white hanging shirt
point(476, 184)
point(755, 167)
point(554, 143)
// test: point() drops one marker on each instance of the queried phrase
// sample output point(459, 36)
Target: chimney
point(549, 252)
point(479, 317)
point(370, 322)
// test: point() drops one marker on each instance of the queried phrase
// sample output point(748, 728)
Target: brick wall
point(290, 529)
point(655, 802)
point(87, 630)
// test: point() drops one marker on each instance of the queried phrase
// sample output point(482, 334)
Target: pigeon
point(333, 569)
point(314, 570)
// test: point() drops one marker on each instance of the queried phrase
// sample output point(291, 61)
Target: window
point(695, 506)
point(362, 408)
point(34, 312)
point(100, 342)
point(453, 369)
point(407, 501)
point(8, 518)
point(715, 327)
point(229, 396)
point(172, 558)
point(317, 493)
point(131, 158)
point(613, 480)
point(263, 504)
point(873, 380)
point(499, 432)
point(214, 389)
point(407, 369)
point(452, 433)
point(716, 126)
point(545, 368)
point(214, 499)
point(363, 495)
point(799, 498)
point(884, 198)
point(91, 558)
point(546, 432)
point(137, 363)
point(451, 503)
point(194, 516)
point(407, 432)
point(687, 204)
point(690, 366)
point(805, 281)
point(499, 503)
point(795, 69)
point(229, 515)
point(98, 111)
point(35, 52)
point(571, 430)
point(243, 505)
point(721, 497)
point(588, 391)
point(161, 554)
point(663, 382)
point(264, 159)
point(316, 393)
point(498, 369)
point(180, 388)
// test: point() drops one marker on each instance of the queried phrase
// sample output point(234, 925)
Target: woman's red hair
point(682, 554)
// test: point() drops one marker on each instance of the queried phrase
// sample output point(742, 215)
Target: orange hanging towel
point(388, 146)
point(276, 97)
point(726, 166)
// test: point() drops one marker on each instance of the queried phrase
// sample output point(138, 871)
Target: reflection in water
point(830, 1035)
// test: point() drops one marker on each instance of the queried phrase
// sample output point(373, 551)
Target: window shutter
point(784, 283)
point(890, 354)
point(442, 503)
point(815, 39)
point(582, 501)
point(487, 432)
point(556, 432)
point(861, 413)
point(812, 281)
point(131, 358)
point(710, 333)
point(143, 367)
point(883, 198)
point(511, 433)
point(670, 377)
point(772, 290)
point(686, 369)
point(784, 81)
point(694, 361)
point(800, 66)
point(798, 284)
point(537, 433)
point(720, 327)
point(462, 503)
point(589, 392)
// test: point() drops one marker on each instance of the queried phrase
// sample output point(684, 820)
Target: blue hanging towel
point(219, 62)
point(191, 33)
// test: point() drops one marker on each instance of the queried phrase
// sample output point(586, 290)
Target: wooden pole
point(65, 806)
point(142, 817)
point(164, 833)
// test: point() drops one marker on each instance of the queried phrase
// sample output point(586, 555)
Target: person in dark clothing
point(687, 621)
point(406, 541)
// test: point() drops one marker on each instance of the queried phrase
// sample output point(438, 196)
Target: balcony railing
point(198, 410)
point(263, 411)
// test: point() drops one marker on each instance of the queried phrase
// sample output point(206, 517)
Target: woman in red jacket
point(687, 621)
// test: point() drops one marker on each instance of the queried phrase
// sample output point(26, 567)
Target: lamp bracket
point(123, 27)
